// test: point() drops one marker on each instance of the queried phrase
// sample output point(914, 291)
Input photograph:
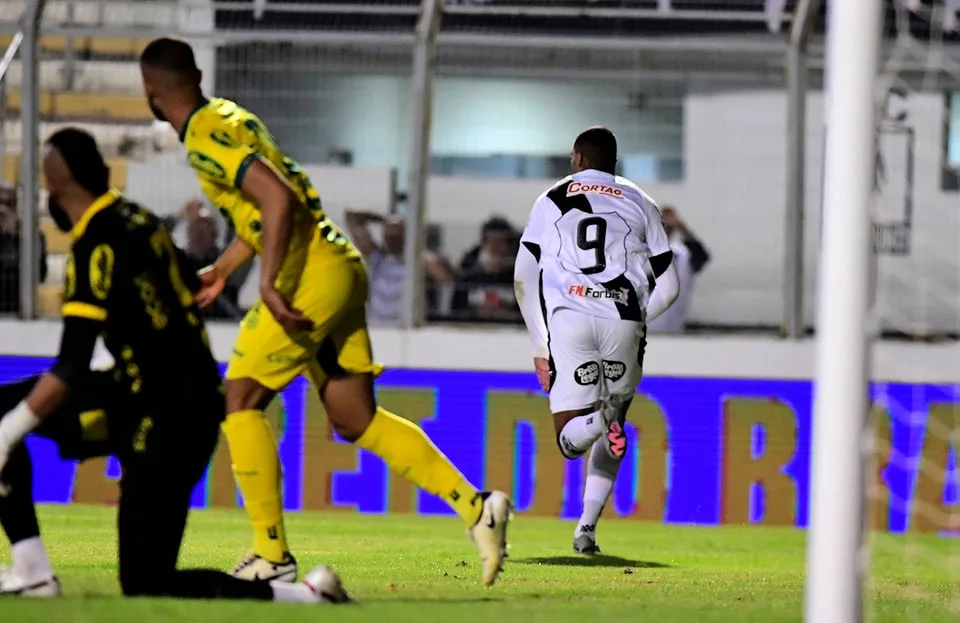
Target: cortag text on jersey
point(618, 296)
point(579, 188)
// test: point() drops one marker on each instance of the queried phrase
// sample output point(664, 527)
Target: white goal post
point(834, 542)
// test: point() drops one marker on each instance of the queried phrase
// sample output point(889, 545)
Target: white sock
point(30, 559)
point(580, 433)
point(601, 474)
point(289, 592)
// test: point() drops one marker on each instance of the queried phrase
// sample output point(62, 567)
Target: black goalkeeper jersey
point(125, 272)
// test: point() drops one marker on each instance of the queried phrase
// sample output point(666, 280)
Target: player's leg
point(581, 414)
point(344, 375)
point(406, 449)
point(31, 570)
point(31, 573)
point(77, 428)
point(253, 449)
point(266, 358)
point(622, 346)
point(602, 470)
point(160, 474)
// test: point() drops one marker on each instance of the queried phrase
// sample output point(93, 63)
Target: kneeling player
point(158, 411)
point(594, 267)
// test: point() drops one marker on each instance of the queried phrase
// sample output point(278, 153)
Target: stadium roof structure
point(637, 40)
point(736, 41)
point(647, 19)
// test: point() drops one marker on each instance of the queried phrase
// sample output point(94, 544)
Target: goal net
point(912, 483)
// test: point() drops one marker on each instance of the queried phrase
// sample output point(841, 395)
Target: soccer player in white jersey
point(594, 267)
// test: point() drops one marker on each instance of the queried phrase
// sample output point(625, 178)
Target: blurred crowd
point(479, 288)
point(10, 251)
point(204, 244)
point(476, 289)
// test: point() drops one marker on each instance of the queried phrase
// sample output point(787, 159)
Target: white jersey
point(593, 234)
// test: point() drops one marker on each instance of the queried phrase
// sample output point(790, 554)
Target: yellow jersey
point(222, 140)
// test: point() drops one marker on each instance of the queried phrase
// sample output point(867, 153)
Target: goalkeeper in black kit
point(158, 410)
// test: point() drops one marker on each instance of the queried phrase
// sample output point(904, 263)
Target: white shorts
point(593, 359)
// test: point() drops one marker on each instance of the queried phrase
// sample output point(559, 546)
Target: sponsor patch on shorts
point(587, 373)
point(614, 370)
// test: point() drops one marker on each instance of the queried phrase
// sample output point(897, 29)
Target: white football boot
point(13, 583)
point(490, 533)
point(256, 568)
point(324, 583)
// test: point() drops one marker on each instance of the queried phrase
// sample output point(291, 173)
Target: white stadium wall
point(508, 350)
point(733, 196)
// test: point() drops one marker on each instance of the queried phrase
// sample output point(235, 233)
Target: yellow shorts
point(333, 293)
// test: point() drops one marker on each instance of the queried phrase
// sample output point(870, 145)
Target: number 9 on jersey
point(593, 244)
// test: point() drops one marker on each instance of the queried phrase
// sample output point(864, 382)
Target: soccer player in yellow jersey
point(310, 318)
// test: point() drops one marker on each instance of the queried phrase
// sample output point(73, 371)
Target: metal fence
point(454, 118)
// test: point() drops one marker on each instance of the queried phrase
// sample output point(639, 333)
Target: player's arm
point(276, 200)
point(234, 256)
point(221, 163)
point(225, 163)
point(77, 342)
point(84, 313)
point(214, 278)
point(526, 280)
point(666, 281)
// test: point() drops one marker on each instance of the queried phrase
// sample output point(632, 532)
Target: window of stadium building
point(951, 156)
point(504, 128)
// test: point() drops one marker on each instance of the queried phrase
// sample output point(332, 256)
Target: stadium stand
point(98, 89)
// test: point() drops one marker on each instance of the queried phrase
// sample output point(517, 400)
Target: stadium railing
point(340, 96)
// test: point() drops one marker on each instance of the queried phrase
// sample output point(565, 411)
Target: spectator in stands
point(10, 251)
point(690, 256)
point(386, 268)
point(484, 291)
point(495, 226)
point(203, 250)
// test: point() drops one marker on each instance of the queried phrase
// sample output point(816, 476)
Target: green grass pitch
point(406, 568)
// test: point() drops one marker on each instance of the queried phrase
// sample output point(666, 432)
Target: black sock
point(210, 584)
point(17, 513)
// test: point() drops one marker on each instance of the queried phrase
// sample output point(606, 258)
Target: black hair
point(83, 158)
point(598, 147)
point(496, 225)
point(172, 55)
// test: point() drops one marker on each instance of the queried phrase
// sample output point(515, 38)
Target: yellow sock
point(408, 451)
point(256, 466)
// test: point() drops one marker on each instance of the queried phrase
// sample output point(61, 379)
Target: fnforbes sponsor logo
point(618, 296)
point(577, 188)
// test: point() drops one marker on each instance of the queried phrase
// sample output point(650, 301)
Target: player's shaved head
point(171, 80)
point(595, 148)
point(172, 59)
